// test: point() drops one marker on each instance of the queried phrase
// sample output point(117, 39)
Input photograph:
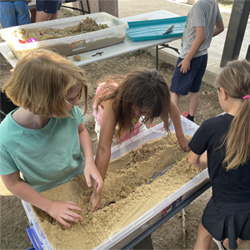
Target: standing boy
point(203, 22)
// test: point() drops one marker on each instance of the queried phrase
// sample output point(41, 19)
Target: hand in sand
point(64, 211)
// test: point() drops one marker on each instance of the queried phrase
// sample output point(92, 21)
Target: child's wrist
point(180, 136)
point(89, 160)
point(47, 205)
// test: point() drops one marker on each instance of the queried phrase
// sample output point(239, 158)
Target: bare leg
point(194, 100)
point(33, 15)
point(204, 239)
point(43, 16)
point(174, 98)
point(54, 16)
point(226, 243)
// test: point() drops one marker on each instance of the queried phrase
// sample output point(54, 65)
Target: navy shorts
point(227, 220)
point(191, 81)
point(48, 6)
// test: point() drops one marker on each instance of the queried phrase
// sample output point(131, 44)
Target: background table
point(125, 47)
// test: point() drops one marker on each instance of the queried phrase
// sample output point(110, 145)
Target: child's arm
point(90, 169)
point(219, 27)
point(198, 41)
point(62, 211)
point(176, 119)
point(199, 161)
point(104, 149)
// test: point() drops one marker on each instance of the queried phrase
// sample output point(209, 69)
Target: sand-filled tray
point(146, 176)
point(61, 36)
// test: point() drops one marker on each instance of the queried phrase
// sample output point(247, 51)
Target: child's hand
point(203, 160)
point(64, 211)
point(200, 161)
point(183, 141)
point(185, 66)
point(94, 203)
point(91, 170)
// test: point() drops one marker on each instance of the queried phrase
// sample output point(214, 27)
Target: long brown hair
point(143, 88)
point(40, 83)
point(235, 80)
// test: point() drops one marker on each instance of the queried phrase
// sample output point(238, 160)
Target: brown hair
point(145, 89)
point(40, 83)
point(235, 80)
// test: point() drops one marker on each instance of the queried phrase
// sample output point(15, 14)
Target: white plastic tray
point(130, 232)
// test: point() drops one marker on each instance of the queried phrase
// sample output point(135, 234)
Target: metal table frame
point(163, 46)
point(74, 8)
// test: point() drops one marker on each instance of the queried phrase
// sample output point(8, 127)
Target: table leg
point(156, 56)
point(146, 243)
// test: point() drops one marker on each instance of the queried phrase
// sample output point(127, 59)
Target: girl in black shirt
point(222, 144)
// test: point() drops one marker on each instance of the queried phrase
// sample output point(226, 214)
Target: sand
point(85, 36)
point(42, 34)
point(129, 192)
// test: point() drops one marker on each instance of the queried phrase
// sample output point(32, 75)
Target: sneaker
point(185, 114)
point(219, 244)
point(188, 116)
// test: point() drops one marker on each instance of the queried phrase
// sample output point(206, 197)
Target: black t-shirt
point(228, 186)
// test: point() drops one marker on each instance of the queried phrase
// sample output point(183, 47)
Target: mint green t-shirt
point(46, 157)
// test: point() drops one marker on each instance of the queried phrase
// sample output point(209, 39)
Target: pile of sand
point(42, 34)
point(129, 192)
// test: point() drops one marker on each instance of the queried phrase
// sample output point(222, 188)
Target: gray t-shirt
point(204, 13)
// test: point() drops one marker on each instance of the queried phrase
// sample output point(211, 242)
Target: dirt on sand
point(179, 232)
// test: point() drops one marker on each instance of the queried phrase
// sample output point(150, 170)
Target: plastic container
point(130, 232)
point(156, 29)
point(71, 45)
point(35, 232)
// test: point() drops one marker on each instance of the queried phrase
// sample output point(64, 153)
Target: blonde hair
point(235, 80)
point(142, 88)
point(41, 81)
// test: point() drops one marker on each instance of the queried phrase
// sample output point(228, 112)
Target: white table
point(125, 47)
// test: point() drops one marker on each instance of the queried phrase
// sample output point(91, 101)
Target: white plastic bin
point(71, 45)
point(130, 232)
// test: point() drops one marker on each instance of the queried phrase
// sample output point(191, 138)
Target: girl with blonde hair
point(226, 140)
point(44, 140)
point(121, 109)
